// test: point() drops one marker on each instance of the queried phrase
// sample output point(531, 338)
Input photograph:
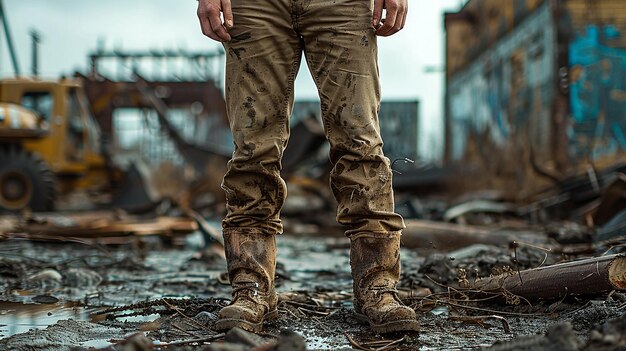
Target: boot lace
point(250, 290)
point(251, 295)
point(378, 293)
point(379, 290)
point(249, 287)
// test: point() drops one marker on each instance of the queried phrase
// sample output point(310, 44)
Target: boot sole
point(404, 325)
point(230, 323)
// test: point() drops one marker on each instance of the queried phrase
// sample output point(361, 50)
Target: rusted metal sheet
point(399, 124)
point(535, 89)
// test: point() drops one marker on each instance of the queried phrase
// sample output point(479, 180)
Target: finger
point(217, 27)
point(406, 14)
point(378, 12)
point(390, 20)
point(227, 11)
point(205, 24)
point(400, 18)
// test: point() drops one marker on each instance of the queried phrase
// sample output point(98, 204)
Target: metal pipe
point(9, 38)
point(35, 39)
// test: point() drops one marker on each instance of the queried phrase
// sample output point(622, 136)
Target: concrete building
point(536, 86)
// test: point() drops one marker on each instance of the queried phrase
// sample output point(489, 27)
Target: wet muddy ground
point(76, 296)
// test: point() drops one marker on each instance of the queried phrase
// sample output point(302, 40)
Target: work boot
point(375, 262)
point(251, 258)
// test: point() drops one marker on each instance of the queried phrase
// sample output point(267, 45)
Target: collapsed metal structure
point(182, 80)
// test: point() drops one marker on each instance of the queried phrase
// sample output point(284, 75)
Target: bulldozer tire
point(25, 182)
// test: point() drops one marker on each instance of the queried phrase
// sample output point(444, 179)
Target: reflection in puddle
point(17, 317)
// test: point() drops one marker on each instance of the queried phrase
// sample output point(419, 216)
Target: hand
point(394, 19)
point(210, 21)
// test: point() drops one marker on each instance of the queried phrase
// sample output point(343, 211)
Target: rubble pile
point(484, 270)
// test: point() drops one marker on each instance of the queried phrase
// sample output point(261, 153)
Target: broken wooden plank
point(585, 277)
point(104, 224)
point(205, 228)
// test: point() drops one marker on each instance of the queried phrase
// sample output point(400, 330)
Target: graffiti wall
point(597, 93)
point(539, 95)
point(503, 98)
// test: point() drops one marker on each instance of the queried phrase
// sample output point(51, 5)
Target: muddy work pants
point(337, 39)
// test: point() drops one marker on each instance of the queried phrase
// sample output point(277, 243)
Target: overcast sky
point(71, 28)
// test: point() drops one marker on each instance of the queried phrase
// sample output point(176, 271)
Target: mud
point(71, 296)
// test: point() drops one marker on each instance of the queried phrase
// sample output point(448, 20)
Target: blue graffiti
point(597, 93)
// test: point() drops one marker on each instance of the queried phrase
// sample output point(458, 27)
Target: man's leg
point(261, 63)
point(341, 51)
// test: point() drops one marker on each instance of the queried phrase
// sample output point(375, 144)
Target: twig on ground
point(515, 244)
point(306, 310)
point(191, 341)
point(288, 311)
point(481, 321)
point(193, 321)
point(490, 311)
point(306, 305)
point(175, 326)
point(372, 345)
point(355, 344)
point(390, 345)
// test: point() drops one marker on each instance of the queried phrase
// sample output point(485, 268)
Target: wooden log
point(585, 277)
point(449, 236)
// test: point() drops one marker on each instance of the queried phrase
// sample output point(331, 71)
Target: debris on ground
point(110, 237)
point(489, 277)
point(98, 225)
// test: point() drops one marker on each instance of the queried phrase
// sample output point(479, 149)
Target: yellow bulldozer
point(49, 143)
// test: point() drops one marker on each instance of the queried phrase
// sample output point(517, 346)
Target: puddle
point(317, 266)
point(18, 317)
point(96, 344)
point(319, 343)
point(315, 341)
